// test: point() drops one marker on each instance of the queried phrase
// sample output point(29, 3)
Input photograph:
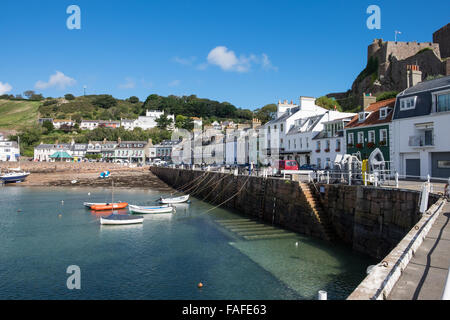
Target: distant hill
point(14, 113)
point(18, 113)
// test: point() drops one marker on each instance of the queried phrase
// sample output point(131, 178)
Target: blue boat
point(12, 177)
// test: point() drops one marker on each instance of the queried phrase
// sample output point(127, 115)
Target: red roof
point(374, 116)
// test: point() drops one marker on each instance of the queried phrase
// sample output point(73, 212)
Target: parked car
point(287, 165)
point(308, 167)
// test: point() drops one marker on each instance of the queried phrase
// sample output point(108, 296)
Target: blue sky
point(248, 53)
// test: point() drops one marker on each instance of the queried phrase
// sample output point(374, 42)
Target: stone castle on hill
point(388, 61)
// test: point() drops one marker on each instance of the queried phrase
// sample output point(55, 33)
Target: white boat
point(121, 219)
point(14, 176)
point(174, 200)
point(89, 204)
point(158, 209)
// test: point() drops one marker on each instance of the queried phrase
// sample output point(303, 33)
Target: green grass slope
point(16, 114)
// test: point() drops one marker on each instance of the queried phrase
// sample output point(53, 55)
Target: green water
point(164, 258)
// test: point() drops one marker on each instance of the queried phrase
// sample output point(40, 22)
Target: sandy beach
point(85, 174)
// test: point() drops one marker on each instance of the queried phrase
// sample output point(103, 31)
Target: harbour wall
point(368, 219)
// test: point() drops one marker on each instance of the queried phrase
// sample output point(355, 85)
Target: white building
point(420, 129)
point(149, 120)
point(43, 152)
point(277, 129)
point(89, 124)
point(128, 124)
point(58, 123)
point(9, 150)
point(329, 143)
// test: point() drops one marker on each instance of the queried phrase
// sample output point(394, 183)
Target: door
point(440, 164)
point(413, 167)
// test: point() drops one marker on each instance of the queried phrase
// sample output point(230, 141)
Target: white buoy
point(89, 193)
point(296, 244)
point(322, 295)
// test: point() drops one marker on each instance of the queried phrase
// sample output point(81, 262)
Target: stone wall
point(370, 220)
point(442, 36)
point(273, 200)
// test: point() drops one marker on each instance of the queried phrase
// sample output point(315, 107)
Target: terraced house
point(371, 129)
point(421, 127)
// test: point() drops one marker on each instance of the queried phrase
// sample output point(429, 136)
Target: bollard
point(322, 295)
point(328, 177)
point(365, 178)
point(396, 179)
point(446, 293)
point(428, 178)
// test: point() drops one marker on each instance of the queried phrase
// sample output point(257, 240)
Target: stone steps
point(321, 216)
point(253, 230)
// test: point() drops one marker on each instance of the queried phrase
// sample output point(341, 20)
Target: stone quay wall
point(368, 219)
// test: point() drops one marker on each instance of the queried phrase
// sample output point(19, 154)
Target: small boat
point(90, 204)
point(121, 219)
point(158, 209)
point(174, 200)
point(109, 206)
point(11, 177)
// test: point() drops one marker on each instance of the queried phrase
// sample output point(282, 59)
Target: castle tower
point(413, 75)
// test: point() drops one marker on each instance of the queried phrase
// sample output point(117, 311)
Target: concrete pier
point(424, 277)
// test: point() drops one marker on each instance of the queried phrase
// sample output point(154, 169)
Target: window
point(443, 102)
point(443, 164)
point(307, 142)
point(384, 112)
point(318, 145)
point(318, 163)
point(281, 142)
point(327, 145)
point(372, 136)
point(301, 143)
point(275, 127)
point(408, 103)
point(361, 116)
point(360, 137)
point(281, 127)
point(338, 145)
point(289, 144)
point(383, 137)
point(351, 139)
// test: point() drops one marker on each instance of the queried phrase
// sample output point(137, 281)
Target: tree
point(69, 96)
point(133, 99)
point(163, 122)
point(387, 95)
point(28, 93)
point(36, 97)
point(266, 113)
point(104, 101)
point(328, 103)
point(49, 126)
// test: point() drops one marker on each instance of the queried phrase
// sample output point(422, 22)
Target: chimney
point(413, 75)
point(119, 140)
point(367, 99)
point(104, 141)
point(150, 142)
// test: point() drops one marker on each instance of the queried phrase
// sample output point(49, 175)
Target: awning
point(61, 155)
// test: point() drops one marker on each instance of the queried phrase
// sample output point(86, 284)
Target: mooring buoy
point(200, 285)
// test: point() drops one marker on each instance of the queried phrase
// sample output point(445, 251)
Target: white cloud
point(59, 80)
point(174, 83)
point(185, 61)
point(266, 64)
point(227, 60)
point(4, 88)
point(129, 84)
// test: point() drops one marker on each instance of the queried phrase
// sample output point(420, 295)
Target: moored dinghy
point(158, 209)
point(121, 219)
point(174, 200)
point(110, 206)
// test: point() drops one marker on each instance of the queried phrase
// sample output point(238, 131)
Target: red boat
point(110, 206)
